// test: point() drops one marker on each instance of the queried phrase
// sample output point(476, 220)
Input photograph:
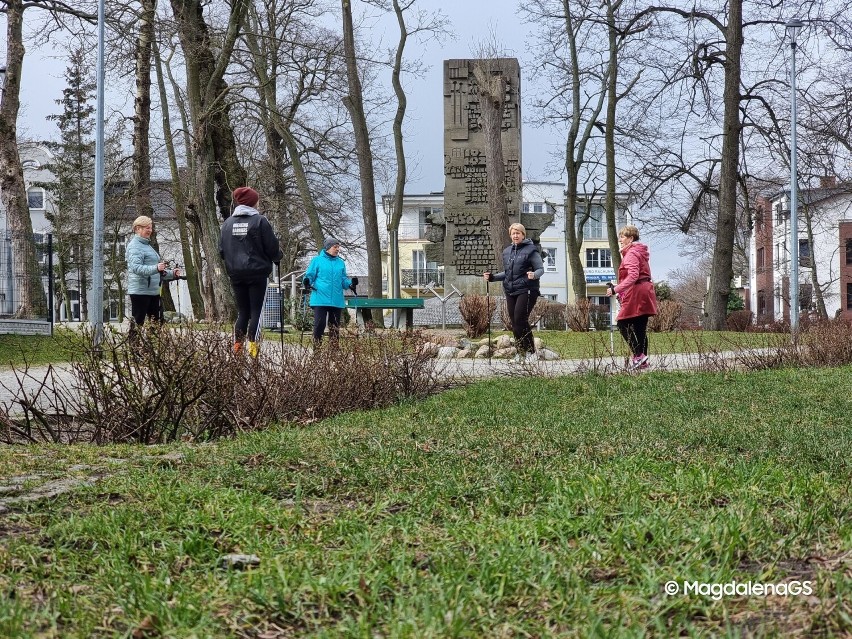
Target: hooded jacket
point(634, 288)
point(327, 276)
point(142, 275)
point(248, 245)
point(517, 261)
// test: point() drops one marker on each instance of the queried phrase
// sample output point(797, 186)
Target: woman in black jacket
point(522, 268)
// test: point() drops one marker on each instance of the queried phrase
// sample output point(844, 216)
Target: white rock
point(482, 353)
point(504, 341)
point(446, 352)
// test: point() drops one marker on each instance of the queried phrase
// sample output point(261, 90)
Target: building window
point(418, 260)
point(35, 199)
point(538, 207)
point(761, 303)
point(849, 250)
point(598, 258)
point(806, 294)
point(593, 229)
point(599, 300)
point(548, 256)
point(849, 296)
point(761, 257)
point(758, 218)
point(526, 207)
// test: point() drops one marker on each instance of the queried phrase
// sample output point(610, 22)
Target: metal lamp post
point(793, 28)
point(96, 314)
point(10, 305)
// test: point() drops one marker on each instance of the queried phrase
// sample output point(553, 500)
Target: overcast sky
point(472, 22)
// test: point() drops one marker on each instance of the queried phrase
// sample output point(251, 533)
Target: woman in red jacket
point(635, 291)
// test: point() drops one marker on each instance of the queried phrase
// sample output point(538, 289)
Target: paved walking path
point(457, 369)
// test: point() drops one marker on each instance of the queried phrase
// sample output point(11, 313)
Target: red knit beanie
point(246, 195)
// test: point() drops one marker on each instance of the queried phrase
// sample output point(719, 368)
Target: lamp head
point(793, 27)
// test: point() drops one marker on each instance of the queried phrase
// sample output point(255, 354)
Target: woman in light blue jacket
point(145, 269)
point(326, 277)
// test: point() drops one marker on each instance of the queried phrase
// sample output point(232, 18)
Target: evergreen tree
point(74, 169)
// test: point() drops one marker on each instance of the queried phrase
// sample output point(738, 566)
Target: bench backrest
point(366, 302)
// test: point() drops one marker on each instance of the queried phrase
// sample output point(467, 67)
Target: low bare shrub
point(578, 315)
point(553, 318)
point(739, 321)
point(476, 311)
point(184, 384)
point(666, 319)
point(826, 343)
point(599, 316)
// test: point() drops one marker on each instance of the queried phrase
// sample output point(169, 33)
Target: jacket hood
point(244, 210)
point(640, 249)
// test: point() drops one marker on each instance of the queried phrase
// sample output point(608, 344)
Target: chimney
point(827, 182)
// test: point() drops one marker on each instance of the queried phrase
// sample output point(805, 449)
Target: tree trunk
point(399, 148)
point(817, 289)
point(217, 169)
point(609, 136)
point(722, 268)
point(191, 266)
point(31, 296)
point(354, 103)
point(492, 91)
point(142, 111)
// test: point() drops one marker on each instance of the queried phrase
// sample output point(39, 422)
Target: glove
point(354, 281)
point(306, 284)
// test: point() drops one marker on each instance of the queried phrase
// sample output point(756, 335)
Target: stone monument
point(462, 238)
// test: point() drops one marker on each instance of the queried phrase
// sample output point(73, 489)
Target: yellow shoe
point(253, 349)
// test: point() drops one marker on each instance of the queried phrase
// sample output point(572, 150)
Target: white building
point(35, 158)
point(826, 262)
point(538, 197)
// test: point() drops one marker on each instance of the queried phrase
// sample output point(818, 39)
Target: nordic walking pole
point(488, 313)
point(281, 308)
point(611, 318)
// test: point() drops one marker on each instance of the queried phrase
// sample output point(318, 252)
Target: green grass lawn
point(38, 349)
point(560, 509)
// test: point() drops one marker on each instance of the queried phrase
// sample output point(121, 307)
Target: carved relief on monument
point(464, 109)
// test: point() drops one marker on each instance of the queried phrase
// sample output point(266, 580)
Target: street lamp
point(793, 28)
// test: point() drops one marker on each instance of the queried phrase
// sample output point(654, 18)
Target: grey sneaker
point(531, 358)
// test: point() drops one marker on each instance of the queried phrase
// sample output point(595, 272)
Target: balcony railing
point(412, 277)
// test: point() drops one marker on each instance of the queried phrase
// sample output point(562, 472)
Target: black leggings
point(520, 307)
point(142, 306)
point(249, 296)
point(634, 330)
point(332, 315)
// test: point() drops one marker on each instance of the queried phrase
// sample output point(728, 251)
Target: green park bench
point(405, 304)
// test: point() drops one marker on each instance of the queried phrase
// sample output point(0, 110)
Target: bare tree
point(33, 300)
point(217, 168)
point(354, 103)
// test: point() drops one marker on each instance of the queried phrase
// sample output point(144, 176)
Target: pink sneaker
point(639, 362)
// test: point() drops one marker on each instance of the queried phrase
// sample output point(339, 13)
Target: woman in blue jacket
point(145, 270)
point(327, 279)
